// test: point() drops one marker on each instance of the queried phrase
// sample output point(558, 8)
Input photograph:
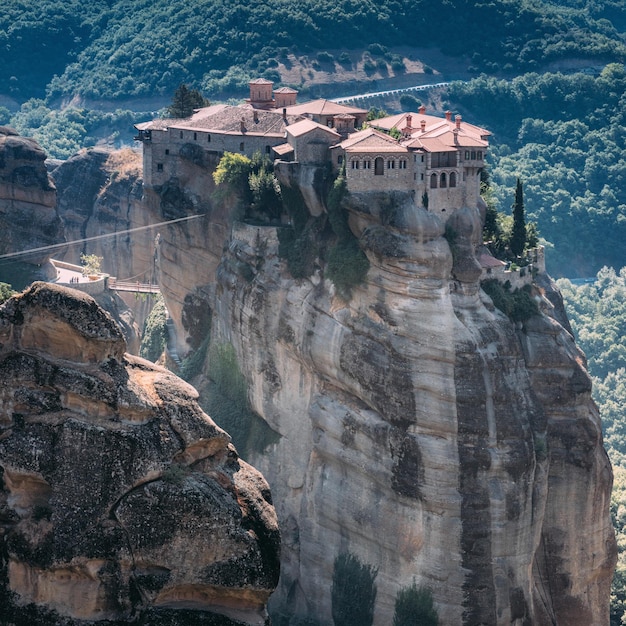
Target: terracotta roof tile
point(323, 107)
point(306, 126)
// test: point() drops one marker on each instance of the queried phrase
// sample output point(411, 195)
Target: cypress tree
point(518, 234)
point(185, 100)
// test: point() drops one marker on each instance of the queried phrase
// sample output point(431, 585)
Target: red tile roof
point(323, 107)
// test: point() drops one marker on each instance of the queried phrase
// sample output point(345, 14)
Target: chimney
point(423, 125)
point(457, 119)
point(242, 126)
point(409, 119)
point(255, 115)
point(422, 109)
point(448, 115)
point(285, 114)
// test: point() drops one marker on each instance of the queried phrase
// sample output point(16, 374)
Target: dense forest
point(563, 136)
point(598, 318)
point(117, 49)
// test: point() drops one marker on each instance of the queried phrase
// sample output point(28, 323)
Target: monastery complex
point(438, 160)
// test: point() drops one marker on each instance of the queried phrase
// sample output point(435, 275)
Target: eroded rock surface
point(120, 500)
point(421, 429)
point(28, 216)
point(417, 427)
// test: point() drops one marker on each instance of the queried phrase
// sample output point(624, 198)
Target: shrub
point(353, 592)
point(518, 305)
point(414, 607)
point(6, 292)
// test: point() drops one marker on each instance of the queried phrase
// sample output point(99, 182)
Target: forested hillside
point(563, 136)
point(116, 49)
point(598, 317)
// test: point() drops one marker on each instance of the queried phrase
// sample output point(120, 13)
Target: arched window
point(452, 179)
point(379, 166)
point(444, 180)
point(433, 181)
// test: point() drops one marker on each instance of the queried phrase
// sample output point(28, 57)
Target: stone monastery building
point(438, 160)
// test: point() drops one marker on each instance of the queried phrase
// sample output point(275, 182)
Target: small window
point(181, 134)
point(267, 149)
point(422, 158)
point(195, 136)
point(355, 165)
point(159, 167)
point(402, 164)
point(467, 155)
point(452, 179)
point(421, 176)
point(241, 147)
point(443, 181)
point(473, 155)
point(367, 165)
point(433, 181)
point(167, 150)
point(391, 164)
point(208, 138)
point(479, 155)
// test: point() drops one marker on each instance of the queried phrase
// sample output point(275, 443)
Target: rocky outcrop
point(421, 429)
point(416, 426)
point(28, 216)
point(120, 500)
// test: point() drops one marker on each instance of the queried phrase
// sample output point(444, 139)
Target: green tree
point(6, 292)
point(233, 170)
point(154, 336)
point(518, 236)
point(414, 607)
point(353, 592)
point(91, 264)
point(184, 102)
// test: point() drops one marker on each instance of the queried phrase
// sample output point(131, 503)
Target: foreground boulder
point(120, 500)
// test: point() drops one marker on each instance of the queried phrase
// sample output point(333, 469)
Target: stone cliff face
point(101, 192)
point(120, 500)
point(420, 429)
point(28, 216)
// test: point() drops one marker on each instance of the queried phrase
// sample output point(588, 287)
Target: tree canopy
point(563, 136)
point(184, 102)
point(113, 49)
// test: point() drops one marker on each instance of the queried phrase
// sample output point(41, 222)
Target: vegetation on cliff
point(154, 336)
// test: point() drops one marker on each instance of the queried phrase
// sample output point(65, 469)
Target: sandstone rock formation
point(182, 257)
point(418, 427)
point(120, 500)
point(28, 216)
point(421, 429)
